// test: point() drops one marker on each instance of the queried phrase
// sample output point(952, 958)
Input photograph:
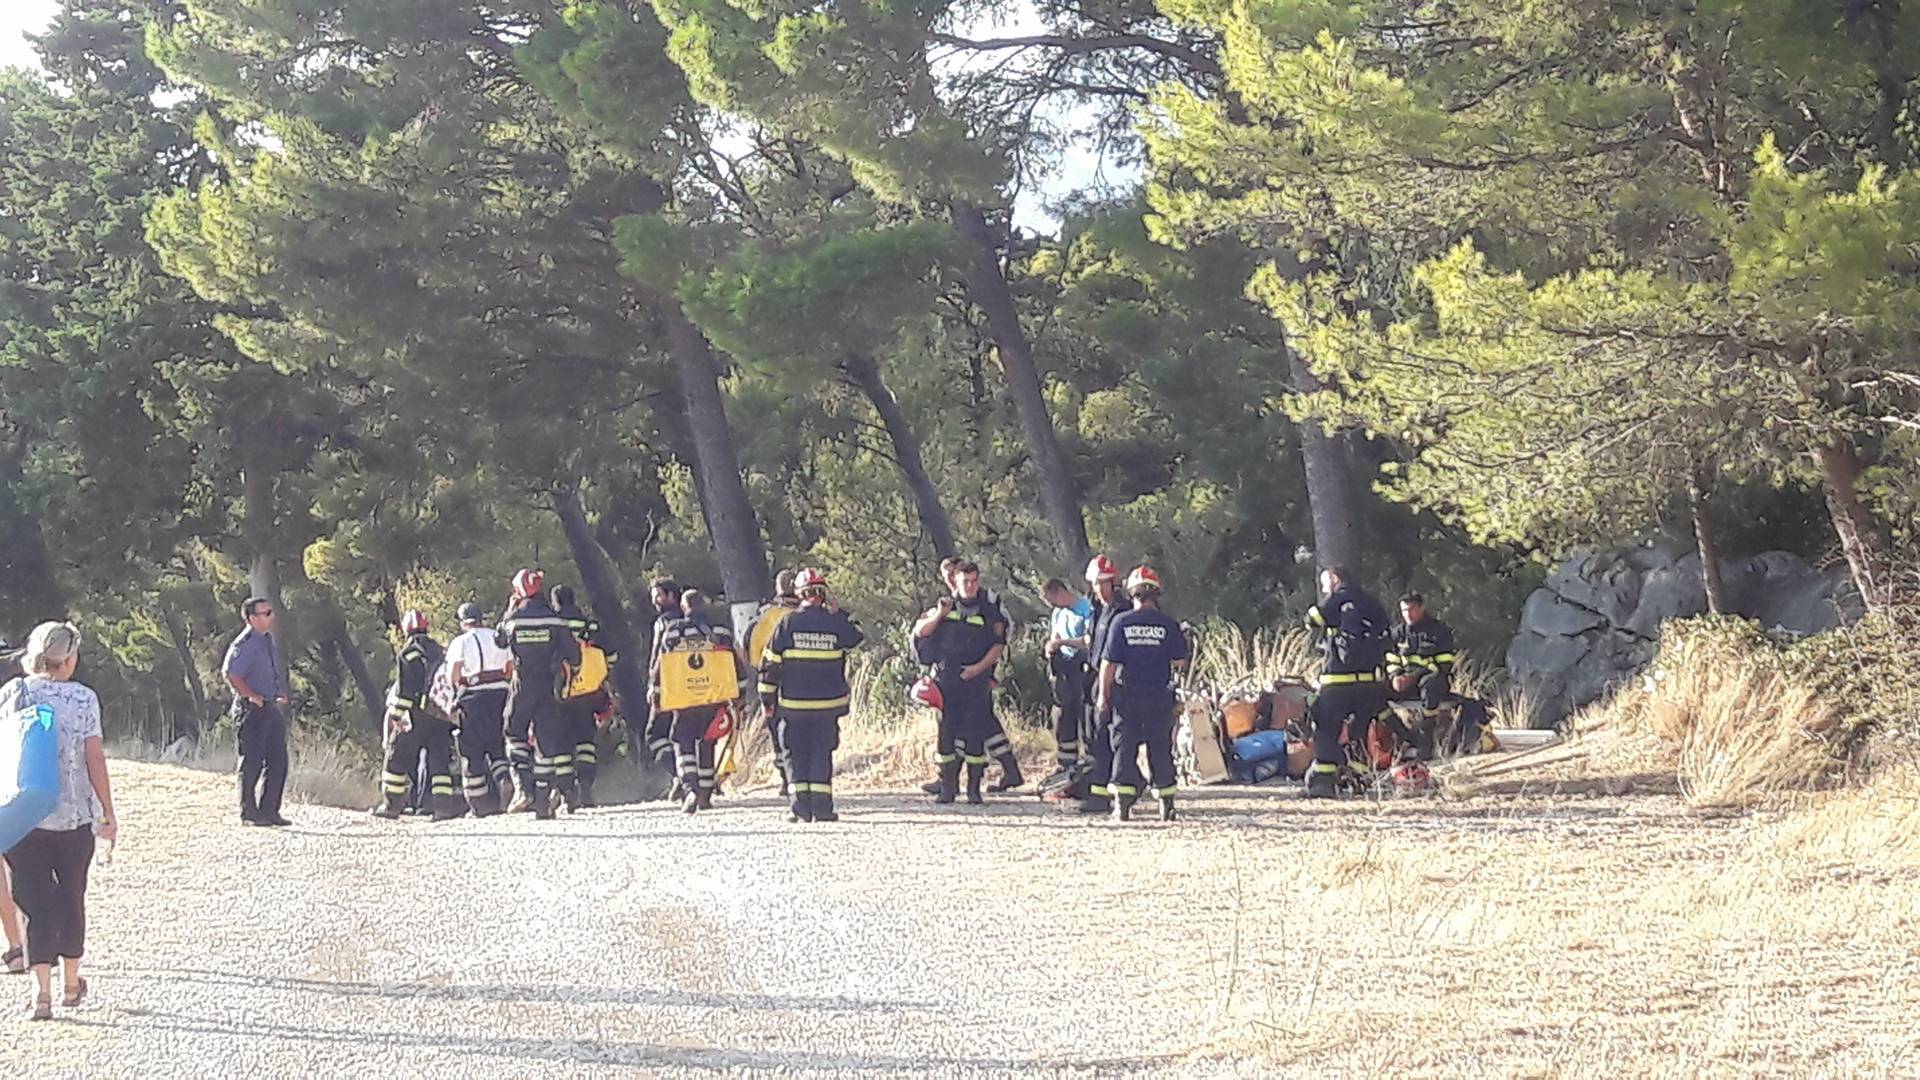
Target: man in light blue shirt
point(1067, 647)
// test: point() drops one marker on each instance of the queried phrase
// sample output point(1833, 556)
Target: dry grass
point(1737, 732)
point(324, 773)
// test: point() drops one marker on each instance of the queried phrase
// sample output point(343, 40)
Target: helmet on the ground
point(413, 622)
point(1143, 577)
point(927, 692)
point(809, 579)
point(1101, 568)
point(527, 584)
point(470, 613)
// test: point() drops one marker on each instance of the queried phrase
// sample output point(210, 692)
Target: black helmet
point(471, 613)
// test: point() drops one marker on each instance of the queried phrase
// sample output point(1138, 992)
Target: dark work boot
point(975, 774)
point(949, 783)
point(931, 787)
point(543, 795)
point(390, 808)
point(802, 808)
point(1166, 808)
point(823, 806)
point(691, 804)
point(1097, 804)
point(448, 808)
point(1010, 776)
point(583, 793)
point(1323, 781)
point(704, 800)
point(1123, 807)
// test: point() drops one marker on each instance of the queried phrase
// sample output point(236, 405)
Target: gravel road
point(1260, 935)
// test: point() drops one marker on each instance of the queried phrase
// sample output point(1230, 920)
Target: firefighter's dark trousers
point(1099, 738)
point(585, 730)
point(1068, 680)
point(966, 721)
point(1142, 721)
point(484, 768)
point(807, 740)
point(1342, 714)
point(693, 752)
point(434, 737)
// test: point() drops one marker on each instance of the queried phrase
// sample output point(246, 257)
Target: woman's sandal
point(15, 960)
point(42, 1007)
point(76, 995)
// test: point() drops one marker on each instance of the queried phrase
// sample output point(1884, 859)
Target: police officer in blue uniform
point(1142, 650)
point(803, 682)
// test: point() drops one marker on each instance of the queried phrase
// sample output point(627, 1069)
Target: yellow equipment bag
point(694, 677)
point(762, 632)
point(590, 675)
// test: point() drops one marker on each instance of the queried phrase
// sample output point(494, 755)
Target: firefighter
point(1103, 580)
point(1142, 651)
point(415, 726)
point(1353, 642)
point(998, 747)
point(665, 594)
point(479, 670)
point(543, 648)
point(1420, 668)
point(585, 698)
point(692, 729)
point(803, 682)
point(1067, 669)
point(963, 637)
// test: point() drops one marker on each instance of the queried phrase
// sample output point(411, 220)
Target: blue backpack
point(29, 767)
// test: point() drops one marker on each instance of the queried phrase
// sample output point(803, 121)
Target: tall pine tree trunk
point(334, 634)
point(865, 373)
point(259, 463)
point(1860, 536)
point(987, 285)
point(729, 515)
point(190, 671)
point(1712, 579)
point(601, 579)
point(1330, 496)
point(29, 590)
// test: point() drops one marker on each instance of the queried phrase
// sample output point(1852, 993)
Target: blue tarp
point(29, 772)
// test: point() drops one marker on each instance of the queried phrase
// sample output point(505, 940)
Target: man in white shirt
point(480, 669)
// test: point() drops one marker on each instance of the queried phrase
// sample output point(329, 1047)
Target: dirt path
point(1507, 934)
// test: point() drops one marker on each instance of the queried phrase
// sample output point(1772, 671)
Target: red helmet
point(1413, 776)
point(1101, 568)
point(527, 584)
point(809, 579)
point(1143, 577)
point(413, 622)
point(927, 692)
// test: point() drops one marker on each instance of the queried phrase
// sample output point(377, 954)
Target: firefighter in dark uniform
point(479, 670)
point(963, 637)
point(1354, 636)
point(1420, 668)
point(803, 682)
point(693, 750)
point(1103, 578)
point(584, 709)
point(665, 594)
point(1143, 649)
point(542, 648)
point(416, 725)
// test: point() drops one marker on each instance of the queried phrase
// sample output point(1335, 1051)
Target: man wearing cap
point(1108, 604)
point(254, 669)
point(479, 670)
point(1143, 649)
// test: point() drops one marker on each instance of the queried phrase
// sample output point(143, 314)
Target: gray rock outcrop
point(1596, 621)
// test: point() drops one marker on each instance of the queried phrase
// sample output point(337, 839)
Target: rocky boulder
point(1595, 622)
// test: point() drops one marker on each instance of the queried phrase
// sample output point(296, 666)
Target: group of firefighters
point(521, 703)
